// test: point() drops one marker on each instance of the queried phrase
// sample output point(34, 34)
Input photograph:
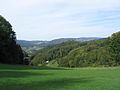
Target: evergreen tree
point(10, 52)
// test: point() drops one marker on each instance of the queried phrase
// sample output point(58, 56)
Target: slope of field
point(15, 77)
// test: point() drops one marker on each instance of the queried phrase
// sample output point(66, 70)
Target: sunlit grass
point(16, 77)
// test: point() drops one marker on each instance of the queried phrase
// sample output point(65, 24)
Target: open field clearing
point(15, 77)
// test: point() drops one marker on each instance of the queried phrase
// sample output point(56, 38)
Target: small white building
point(47, 61)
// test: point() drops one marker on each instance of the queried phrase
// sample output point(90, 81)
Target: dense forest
point(104, 52)
point(10, 52)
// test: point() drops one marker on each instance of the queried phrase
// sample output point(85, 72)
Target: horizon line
point(60, 38)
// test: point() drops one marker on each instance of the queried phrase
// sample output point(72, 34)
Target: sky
point(52, 19)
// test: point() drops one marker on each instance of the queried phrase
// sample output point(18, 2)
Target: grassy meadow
point(16, 77)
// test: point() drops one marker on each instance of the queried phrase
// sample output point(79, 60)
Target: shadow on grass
point(25, 67)
point(55, 84)
point(17, 74)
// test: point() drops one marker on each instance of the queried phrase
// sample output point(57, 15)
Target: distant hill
point(54, 42)
point(61, 40)
point(31, 46)
point(25, 43)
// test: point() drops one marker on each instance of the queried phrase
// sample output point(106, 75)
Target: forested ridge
point(104, 52)
point(54, 52)
point(34, 46)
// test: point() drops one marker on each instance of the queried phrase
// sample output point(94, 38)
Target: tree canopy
point(10, 52)
point(114, 44)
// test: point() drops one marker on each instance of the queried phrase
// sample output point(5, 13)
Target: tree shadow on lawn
point(17, 74)
point(25, 67)
point(50, 84)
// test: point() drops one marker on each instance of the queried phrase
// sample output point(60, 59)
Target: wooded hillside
point(104, 52)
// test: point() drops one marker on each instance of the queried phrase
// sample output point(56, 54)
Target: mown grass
point(16, 77)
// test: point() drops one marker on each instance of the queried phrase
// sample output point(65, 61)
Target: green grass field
point(15, 77)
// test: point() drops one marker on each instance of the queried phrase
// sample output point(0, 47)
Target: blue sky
point(51, 19)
